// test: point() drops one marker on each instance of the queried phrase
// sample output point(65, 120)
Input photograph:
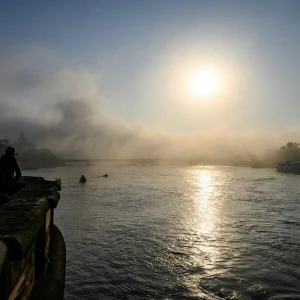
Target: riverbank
point(32, 248)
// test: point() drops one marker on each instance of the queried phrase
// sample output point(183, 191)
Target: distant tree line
point(288, 152)
point(33, 158)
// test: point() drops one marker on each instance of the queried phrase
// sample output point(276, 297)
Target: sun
point(204, 84)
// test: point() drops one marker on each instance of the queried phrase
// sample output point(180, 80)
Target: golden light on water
point(206, 218)
point(204, 204)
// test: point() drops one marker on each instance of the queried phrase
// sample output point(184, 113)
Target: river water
point(179, 232)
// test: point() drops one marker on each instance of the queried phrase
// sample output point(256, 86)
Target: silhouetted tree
point(290, 151)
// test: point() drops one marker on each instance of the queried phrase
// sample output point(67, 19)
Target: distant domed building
point(23, 145)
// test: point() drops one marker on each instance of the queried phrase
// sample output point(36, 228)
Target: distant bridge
point(87, 161)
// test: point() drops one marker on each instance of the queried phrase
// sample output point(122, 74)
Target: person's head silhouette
point(10, 151)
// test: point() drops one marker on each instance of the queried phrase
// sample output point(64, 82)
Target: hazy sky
point(131, 62)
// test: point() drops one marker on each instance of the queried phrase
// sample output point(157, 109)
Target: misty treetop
point(29, 157)
point(290, 152)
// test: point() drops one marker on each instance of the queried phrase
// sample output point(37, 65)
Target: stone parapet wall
point(30, 243)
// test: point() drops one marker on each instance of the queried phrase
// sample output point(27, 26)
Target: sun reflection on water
point(204, 201)
point(206, 218)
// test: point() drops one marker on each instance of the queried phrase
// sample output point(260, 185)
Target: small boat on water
point(82, 179)
point(289, 167)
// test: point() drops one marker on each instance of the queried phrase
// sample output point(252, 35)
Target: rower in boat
point(82, 179)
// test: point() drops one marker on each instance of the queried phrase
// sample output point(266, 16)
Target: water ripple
point(180, 233)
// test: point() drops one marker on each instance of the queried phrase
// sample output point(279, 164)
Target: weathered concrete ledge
point(31, 246)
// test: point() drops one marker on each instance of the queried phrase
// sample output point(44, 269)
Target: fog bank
point(66, 112)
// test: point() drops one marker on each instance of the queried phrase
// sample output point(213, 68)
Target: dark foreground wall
point(32, 249)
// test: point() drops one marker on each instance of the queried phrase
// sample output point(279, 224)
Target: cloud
point(83, 129)
point(66, 112)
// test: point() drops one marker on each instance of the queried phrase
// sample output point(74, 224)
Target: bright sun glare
point(204, 84)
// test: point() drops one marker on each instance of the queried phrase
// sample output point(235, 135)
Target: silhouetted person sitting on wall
point(10, 173)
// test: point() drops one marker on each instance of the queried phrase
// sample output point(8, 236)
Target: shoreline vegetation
point(38, 159)
point(30, 158)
